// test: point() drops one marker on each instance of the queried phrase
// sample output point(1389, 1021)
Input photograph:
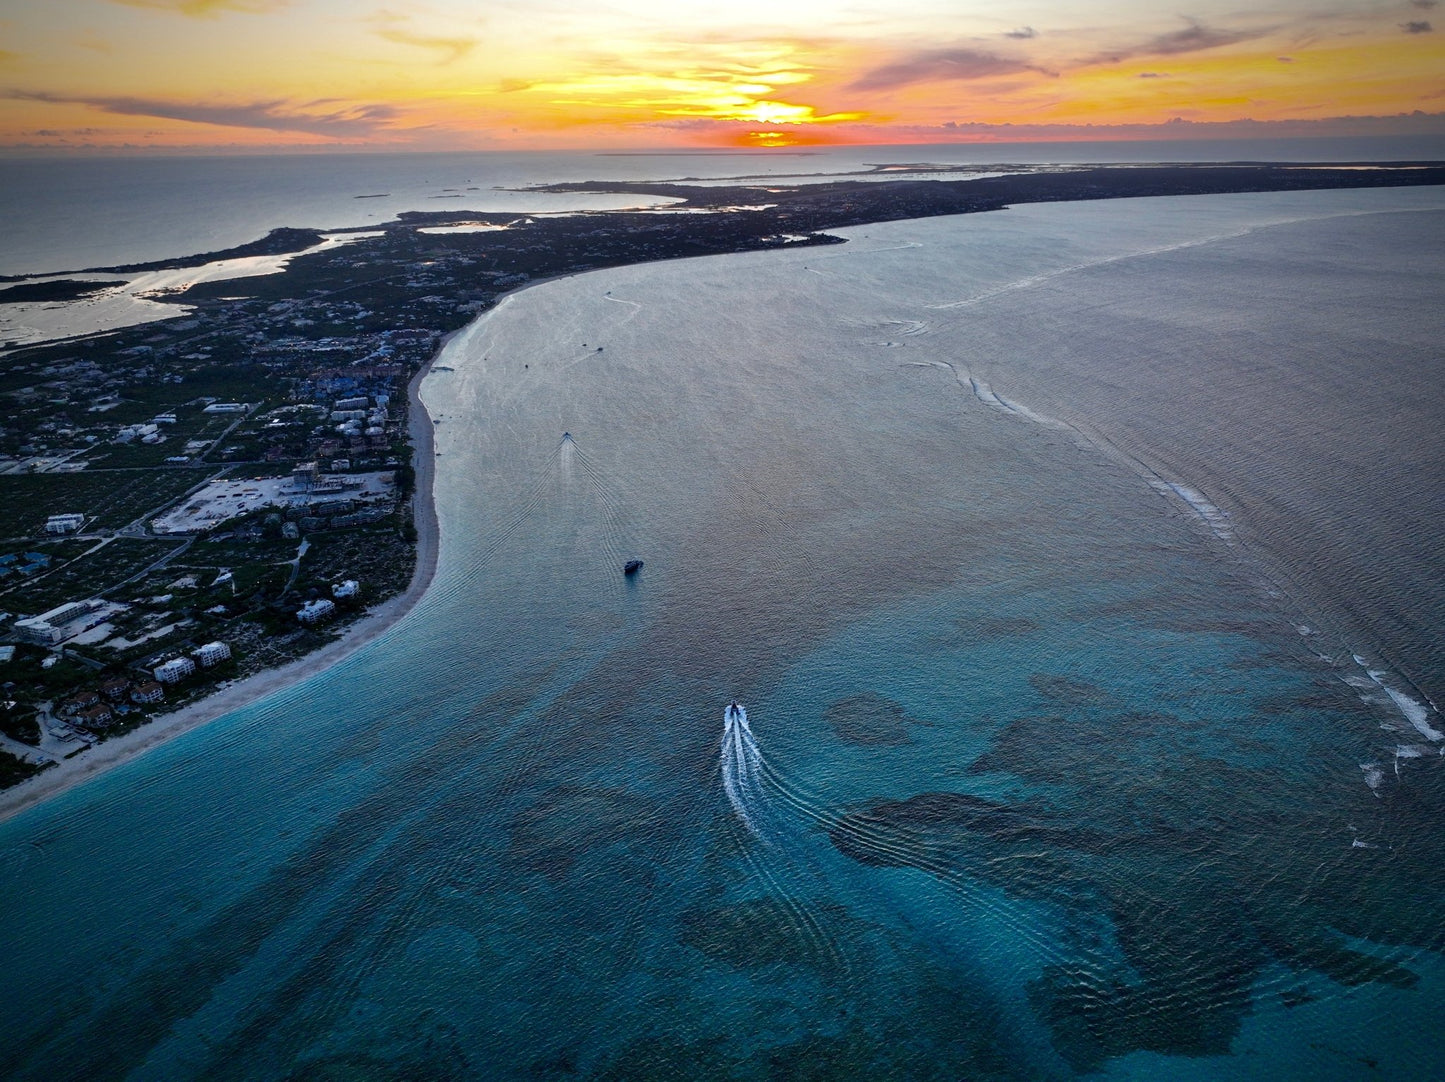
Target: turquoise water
point(1043, 778)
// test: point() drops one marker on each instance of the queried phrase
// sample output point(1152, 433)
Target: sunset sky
point(449, 74)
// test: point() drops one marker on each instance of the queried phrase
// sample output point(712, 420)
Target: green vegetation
point(13, 771)
point(381, 559)
point(103, 565)
point(113, 498)
point(19, 724)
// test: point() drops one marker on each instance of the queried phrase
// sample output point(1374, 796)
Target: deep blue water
point(1038, 545)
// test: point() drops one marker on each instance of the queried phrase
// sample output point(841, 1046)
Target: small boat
point(632, 567)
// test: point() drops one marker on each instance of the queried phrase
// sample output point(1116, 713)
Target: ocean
point(70, 213)
point(1075, 566)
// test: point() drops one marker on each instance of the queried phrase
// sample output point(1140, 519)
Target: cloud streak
point(452, 48)
point(1194, 38)
point(206, 9)
point(348, 122)
point(940, 65)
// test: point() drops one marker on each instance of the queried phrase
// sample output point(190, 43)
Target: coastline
point(104, 757)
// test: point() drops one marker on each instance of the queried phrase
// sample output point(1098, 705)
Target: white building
point(39, 631)
point(47, 629)
point(178, 668)
point(227, 407)
point(213, 653)
point(349, 588)
point(313, 612)
point(64, 523)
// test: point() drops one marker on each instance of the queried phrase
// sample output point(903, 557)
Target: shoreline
point(104, 757)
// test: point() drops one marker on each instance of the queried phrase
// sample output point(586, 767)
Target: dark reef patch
point(1068, 690)
point(996, 627)
point(763, 932)
point(870, 720)
point(570, 822)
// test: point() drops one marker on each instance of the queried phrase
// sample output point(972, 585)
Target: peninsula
point(197, 509)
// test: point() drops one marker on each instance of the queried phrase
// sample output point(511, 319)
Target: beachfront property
point(95, 717)
point(148, 693)
point(174, 670)
point(314, 612)
point(81, 700)
point(349, 588)
point(115, 689)
point(212, 653)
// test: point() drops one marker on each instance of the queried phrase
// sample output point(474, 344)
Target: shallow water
point(1044, 778)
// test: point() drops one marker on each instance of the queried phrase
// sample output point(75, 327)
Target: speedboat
point(734, 711)
point(632, 567)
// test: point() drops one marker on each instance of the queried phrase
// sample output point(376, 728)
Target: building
point(96, 717)
point(46, 629)
point(80, 701)
point(63, 524)
point(174, 670)
point(313, 612)
point(35, 561)
point(212, 653)
point(37, 630)
point(147, 693)
point(115, 689)
point(349, 588)
point(227, 407)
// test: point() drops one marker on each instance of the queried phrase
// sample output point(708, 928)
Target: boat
point(632, 567)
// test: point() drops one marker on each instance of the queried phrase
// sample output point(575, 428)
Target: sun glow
point(438, 75)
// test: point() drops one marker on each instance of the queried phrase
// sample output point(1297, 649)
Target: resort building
point(313, 612)
point(349, 588)
point(213, 653)
point(96, 717)
point(147, 693)
point(178, 668)
point(38, 631)
point(115, 689)
point(81, 700)
point(47, 629)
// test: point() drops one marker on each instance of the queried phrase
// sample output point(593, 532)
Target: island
point(197, 509)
